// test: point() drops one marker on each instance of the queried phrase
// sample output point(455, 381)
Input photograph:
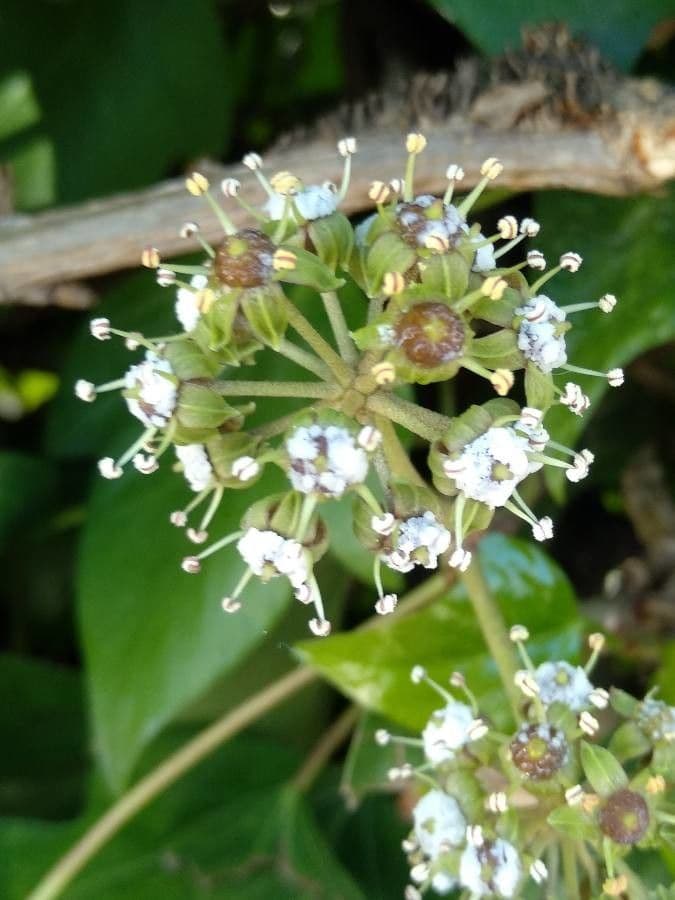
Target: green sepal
point(213, 331)
point(379, 335)
point(663, 759)
point(189, 360)
point(623, 703)
point(447, 274)
point(497, 312)
point(389, 253)
point(572, 821)
point(498, 350)
point(224, 449)
point(266, 314)
point(629, 742)
point(333, 240)
point(406, 500)
point(562, 717)
point(410, 373)
point(539, 387)
point(310, 271)
point(281, 513)
point(199, 406)
point(602, 769)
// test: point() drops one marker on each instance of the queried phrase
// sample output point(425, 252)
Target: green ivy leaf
point(627, 249)
point(154, 637)
point(618, 27)
point(143, 114)
point(374, 667)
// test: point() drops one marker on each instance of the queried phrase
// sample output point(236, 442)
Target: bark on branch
point(546, 134)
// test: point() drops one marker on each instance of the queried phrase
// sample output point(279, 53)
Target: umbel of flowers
point(438, 296)
point(544, 803)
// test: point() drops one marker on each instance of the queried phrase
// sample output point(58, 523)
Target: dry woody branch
point(556, 114)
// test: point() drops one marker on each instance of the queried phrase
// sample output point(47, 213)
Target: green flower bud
point(332, 239)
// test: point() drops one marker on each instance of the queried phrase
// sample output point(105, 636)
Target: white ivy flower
point(537, 336)
point(153, 382)
point(325, 459)
point(188, 310)
point(420, 541)
point(268, 553)
point(197, 467)
point(446, 731)
point(493, 869)
point(312, 202)
point(657, 719)
point(438, 823)
point(490, 467)
point(560, 682)
point(446, 230)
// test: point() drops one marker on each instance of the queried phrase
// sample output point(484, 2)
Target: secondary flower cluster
point(436, 298)
point(500, 808)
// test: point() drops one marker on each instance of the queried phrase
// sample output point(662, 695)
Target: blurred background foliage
point(110, 656)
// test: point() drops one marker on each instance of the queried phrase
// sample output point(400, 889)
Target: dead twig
point(555, 113)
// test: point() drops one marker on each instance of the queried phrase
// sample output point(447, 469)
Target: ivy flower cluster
point(544, 803)
point(437, 297)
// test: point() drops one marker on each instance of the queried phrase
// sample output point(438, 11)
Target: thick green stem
point(321, 347)
point(197, 749)
point(423, 422)
point(309, 390)
point(305, 359)
point(395, 453)
point(492, 625)
point(336, 317)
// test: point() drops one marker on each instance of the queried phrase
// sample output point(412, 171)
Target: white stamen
point(100, 329)
point(85, 390)
point(245, 468)
point(108, 469)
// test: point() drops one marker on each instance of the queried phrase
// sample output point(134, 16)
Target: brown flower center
point(539, 751)
point(244, 259)
point(430, 334)
point(625, 817)
point(412, 220)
